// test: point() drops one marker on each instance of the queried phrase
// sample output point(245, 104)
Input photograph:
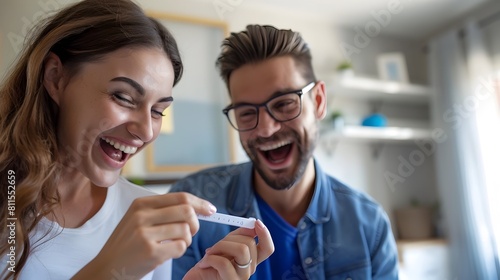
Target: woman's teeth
point(121, 147)
point(274, 146)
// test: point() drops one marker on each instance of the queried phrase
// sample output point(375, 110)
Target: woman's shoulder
point(127, 189)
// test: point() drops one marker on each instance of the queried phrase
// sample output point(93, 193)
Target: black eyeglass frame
point(299, 92)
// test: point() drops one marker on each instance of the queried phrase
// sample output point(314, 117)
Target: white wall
point(16, 20)
point(318, 33)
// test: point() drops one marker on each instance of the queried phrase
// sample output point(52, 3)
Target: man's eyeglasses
point(282, 107)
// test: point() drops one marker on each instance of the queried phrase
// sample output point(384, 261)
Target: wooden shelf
point(377, 90)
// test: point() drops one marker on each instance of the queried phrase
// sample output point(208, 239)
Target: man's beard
point(282, 181)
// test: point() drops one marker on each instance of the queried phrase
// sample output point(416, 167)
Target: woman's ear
point(320, 100)
point(53, 77)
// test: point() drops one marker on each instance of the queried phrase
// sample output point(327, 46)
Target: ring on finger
point(243, 265)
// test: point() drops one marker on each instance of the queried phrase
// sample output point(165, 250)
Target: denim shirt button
point(303, 226)
point(308, 261)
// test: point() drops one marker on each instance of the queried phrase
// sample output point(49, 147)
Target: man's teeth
point(274, 146)
point(121, 147)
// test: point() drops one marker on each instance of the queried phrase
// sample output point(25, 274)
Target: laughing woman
point(87, 93)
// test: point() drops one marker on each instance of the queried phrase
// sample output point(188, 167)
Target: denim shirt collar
point(240, 195)
point(319, 210)
point(240, 200)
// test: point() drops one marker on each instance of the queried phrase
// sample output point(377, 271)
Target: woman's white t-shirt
point(65, 251)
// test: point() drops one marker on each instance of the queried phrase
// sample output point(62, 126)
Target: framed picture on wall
point(392, 67)
point(195, 133)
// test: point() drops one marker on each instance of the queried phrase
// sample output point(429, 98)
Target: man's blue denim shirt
point(343, 235)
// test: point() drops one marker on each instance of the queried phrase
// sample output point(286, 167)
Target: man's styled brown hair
point(261, 42)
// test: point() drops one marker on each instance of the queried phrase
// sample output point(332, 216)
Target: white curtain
point(466, 110)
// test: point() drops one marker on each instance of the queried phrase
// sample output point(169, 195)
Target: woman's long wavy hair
point(81, 33)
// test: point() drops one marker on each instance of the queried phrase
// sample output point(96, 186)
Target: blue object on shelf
point(377, 120)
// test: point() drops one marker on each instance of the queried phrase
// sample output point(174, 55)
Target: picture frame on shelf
point(392, 67)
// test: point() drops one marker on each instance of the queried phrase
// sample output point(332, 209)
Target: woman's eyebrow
point(166, 99)
point(139, 88)
point(131, 82)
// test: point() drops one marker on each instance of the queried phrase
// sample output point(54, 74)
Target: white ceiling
point(418, 19)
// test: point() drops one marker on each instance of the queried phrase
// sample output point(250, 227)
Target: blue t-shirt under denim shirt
point(285, 261)
point(343, 234)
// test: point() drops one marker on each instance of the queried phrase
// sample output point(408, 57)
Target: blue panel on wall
point(200, 136)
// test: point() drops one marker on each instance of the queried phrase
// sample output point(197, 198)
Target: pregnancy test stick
point(229, 220)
